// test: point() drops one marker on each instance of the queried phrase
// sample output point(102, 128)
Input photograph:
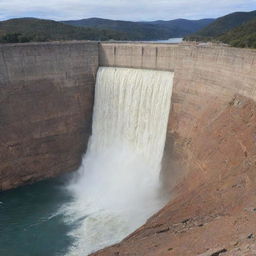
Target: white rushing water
point(117, 186)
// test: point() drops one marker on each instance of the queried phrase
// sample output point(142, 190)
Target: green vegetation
point(226, 23)
point(38, 30)
point(242, 36)
point(136, 31)
point(183, 27)
point(236, 29)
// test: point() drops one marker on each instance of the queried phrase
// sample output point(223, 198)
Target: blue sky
point(135, 10)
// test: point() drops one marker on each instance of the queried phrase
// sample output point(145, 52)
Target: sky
point(134, 10)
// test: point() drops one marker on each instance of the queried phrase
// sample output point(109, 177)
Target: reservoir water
point(30, 224)
point(171, 41)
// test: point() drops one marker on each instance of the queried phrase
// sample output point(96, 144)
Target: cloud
point(122, 9)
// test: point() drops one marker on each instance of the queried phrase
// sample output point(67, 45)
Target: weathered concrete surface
point(205, 77)
point(201, 73)
point(46, 99)
point(209, 162)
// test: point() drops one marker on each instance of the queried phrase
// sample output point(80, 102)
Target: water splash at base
point(117, 187)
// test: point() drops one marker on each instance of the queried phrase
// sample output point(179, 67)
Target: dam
point(208, 166)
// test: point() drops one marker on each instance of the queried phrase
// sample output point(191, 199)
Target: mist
point(117, 187)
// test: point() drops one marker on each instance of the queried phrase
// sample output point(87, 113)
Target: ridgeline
point(37, 30)
point(236, 29)
point(155, 30)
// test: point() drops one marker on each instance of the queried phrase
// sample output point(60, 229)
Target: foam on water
point(117, 186)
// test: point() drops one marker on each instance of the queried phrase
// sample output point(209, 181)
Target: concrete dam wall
point(206, 80)
point(201, 73)
point(47, 98)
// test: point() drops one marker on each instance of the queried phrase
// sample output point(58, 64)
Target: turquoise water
point(29, 223)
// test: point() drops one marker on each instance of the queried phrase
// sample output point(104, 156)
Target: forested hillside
point(38, 30)
point(236, 29)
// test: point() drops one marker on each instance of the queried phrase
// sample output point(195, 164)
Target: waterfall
point(132, 109)
point(117, 186)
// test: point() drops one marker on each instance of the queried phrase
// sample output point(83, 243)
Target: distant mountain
point(145, 30)
point(224, 24)
point(135, 30)
point(31, 29)
point(184, 26)
point(242, 36)
point(35, 30)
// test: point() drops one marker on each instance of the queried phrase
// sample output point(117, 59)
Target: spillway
point(117, 187)
point(131, 111)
